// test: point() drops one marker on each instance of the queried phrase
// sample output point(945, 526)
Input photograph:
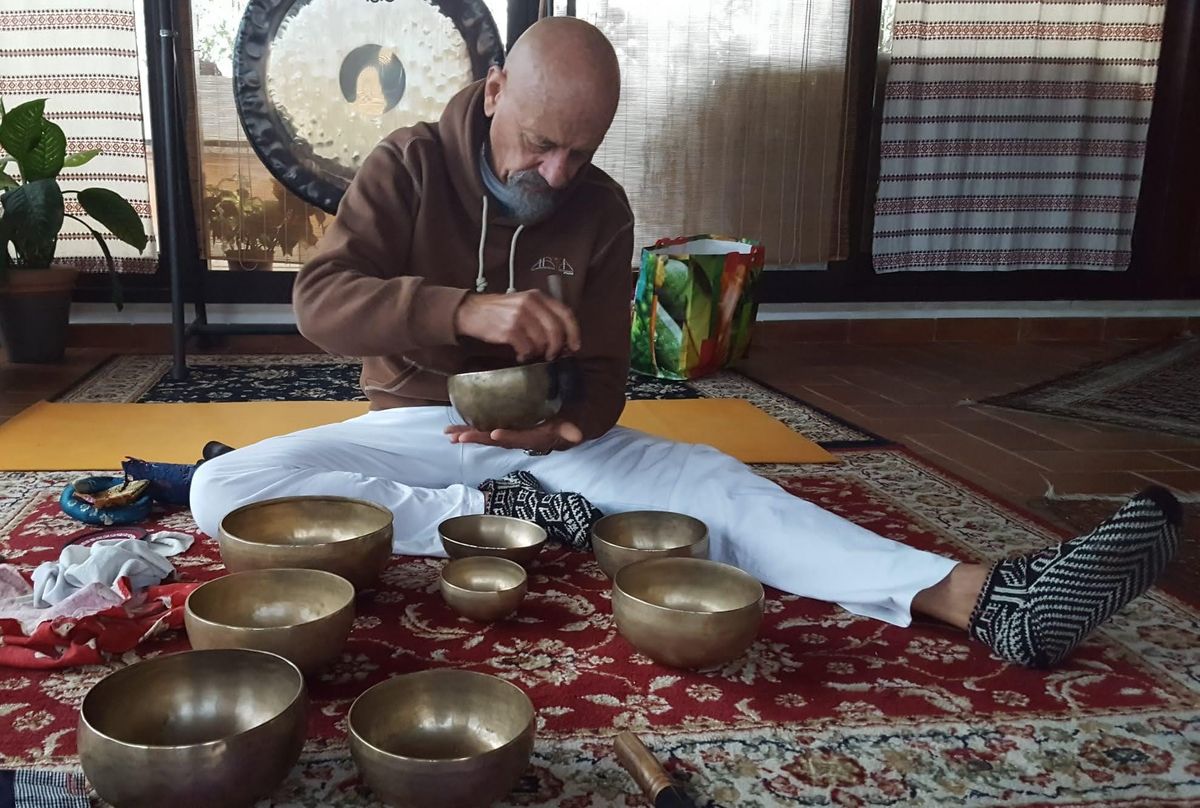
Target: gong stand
point(301, 172)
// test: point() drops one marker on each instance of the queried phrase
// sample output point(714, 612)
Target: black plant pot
point(35, 308)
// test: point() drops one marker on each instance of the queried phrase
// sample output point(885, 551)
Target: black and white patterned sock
point(1034, 609)
point(565, 517)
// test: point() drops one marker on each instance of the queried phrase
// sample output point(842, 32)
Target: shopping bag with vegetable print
point(695, 305)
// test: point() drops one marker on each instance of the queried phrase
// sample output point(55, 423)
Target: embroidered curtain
point(1013, 134)
point(83, 56)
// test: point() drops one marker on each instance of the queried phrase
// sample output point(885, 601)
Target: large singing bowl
point(621, 539)
point(304, 616)
point(687, 612)
point(348, 537)
point(194, 729)
point(442, 738)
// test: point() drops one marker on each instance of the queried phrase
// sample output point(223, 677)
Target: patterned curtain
point(1013, 133)
point(83, 57)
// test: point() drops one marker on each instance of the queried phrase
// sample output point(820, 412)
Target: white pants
point(401, 459)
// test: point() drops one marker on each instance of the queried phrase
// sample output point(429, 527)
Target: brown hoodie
point(410, 241)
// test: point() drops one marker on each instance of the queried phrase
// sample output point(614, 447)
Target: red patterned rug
point(827, 708)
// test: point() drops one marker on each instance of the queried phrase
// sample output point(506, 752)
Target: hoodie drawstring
point(480, 281)
point(512, 256)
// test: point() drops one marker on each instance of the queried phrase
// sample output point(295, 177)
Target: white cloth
point(142, 561)
point(16, 601)
point(399, 458)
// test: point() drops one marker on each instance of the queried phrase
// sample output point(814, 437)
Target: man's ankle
point(953, 599)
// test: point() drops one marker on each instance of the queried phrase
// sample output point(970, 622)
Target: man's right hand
point(534, 324)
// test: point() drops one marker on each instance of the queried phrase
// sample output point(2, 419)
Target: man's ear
point(493, 86)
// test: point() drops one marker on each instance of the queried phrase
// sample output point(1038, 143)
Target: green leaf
point(6, 182)
point(22, 126)
point(80, 158)
point(117, 292)
point(116, 214)
point(33, 214)
point(44, 159)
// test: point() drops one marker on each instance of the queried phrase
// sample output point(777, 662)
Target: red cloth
point(69, 641)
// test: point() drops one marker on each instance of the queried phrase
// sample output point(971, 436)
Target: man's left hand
point(545, 437)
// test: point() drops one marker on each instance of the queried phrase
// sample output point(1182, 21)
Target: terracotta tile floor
point(916, 394)
point(921, 396)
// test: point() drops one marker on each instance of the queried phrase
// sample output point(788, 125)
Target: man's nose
point(555, 170)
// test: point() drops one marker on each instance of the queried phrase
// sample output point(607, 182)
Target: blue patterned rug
point(314, 377)
point(1155, 388)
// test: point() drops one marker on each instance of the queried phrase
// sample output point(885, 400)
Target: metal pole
point(167, 156)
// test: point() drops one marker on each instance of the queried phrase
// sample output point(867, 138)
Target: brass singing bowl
point(687, 612)
point(626, 538)
point(302, 615)
point(348, 537)
point(445, 738)
point(487, 535)
point(198, 728)
point(483, 588)
point(518, 397)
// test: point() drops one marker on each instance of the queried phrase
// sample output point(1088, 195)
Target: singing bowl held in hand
point(687, 612)
point(621, 539)
point(303, 615)
point(348, 537)
point(444, 738)
point(194, 729)
point(518, 397)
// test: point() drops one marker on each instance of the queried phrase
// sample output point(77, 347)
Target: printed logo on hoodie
point(550, 264)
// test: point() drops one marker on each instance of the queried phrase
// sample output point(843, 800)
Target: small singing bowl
point(487, 535)
point(302, 615)
point(348, 537)
point(483, 588)
point(446, 738)
point(626, 538)
point(518, 397)
point(687, 612)
point(198, 728)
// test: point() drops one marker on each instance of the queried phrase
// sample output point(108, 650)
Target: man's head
point(550, 106)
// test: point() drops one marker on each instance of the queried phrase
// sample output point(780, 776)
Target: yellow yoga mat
point(76, 437)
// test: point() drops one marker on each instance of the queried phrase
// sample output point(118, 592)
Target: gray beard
point(525, 197)
point(529, 198)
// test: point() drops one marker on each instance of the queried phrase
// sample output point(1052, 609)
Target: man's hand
point(551, 435)
point(534, 324)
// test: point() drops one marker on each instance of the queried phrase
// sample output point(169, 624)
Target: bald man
point(443, 257)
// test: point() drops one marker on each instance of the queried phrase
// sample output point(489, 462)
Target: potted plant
point(35, 293)
point(250, 228)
